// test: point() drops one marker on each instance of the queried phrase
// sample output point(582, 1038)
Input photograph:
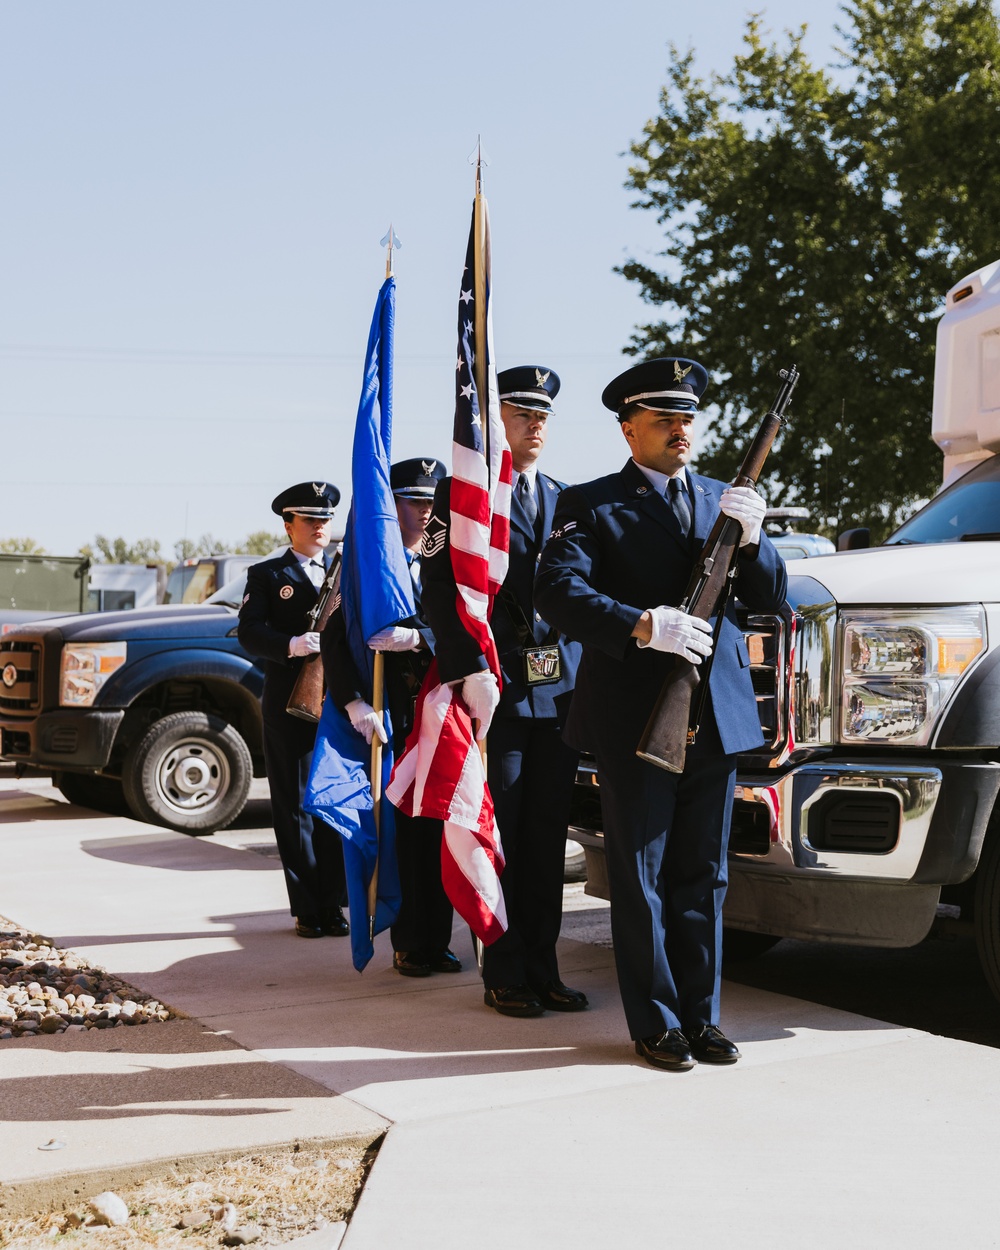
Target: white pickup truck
point(873, 809)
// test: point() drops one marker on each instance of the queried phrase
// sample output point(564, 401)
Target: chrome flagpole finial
point(389, 241)
point(479, 158)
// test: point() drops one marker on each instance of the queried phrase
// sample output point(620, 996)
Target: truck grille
point(765, 642)
point(20, 663)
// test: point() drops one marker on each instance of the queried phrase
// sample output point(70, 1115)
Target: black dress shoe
point(554, 996)
point(334, 923)
point(710, 1045)
point(411, 964)
point(444, 961)
point(513, 1000)
point(308, 926)
point(670, 1051)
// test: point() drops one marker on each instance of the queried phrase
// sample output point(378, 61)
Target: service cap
point(667, 384)
point(416, 479)
point(529, 386)
point(315, 499)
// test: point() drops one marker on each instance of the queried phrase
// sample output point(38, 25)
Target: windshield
point(969, 510)
point(231, 594)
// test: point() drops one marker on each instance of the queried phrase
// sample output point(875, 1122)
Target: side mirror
point(854, 540)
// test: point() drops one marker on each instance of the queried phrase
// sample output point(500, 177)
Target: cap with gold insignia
point(416, 479)
point(667, 384)
point(529, 386)
point(316, 499)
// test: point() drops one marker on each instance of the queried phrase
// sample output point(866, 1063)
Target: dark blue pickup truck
point(156, 709)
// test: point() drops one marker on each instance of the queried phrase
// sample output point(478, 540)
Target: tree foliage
point(104, 550)
point(257, 543)
point(817, 216)
point(22, 547)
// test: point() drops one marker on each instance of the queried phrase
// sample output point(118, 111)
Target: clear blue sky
point(194, 195)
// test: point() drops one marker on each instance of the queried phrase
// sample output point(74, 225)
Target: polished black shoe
point(444, 961)
point(670, 1051)
point(308, 926)
point(513, 1000)
point(411, 964)
point(334, 923)
point(710, 1045)
point(554, 996)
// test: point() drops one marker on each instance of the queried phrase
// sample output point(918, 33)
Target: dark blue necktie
point(527, 498)
point(678, 500)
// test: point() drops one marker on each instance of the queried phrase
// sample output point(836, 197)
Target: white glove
point(365, 720)
point(481, 695)
point(304, 644)
point(673, 630)
point(743, 504)
point(395, 638)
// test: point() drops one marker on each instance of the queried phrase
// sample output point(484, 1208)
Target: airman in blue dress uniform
point(614, 570)
point(274, 624)
point(530, 768)
point(421, 933)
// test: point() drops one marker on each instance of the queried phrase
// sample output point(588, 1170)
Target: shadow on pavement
point(303, 1004)
point(161, 848)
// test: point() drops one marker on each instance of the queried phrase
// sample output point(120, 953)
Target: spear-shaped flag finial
point(479, 158)
point(389, 241)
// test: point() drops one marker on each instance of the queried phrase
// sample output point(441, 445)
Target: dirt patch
point(258, 1199)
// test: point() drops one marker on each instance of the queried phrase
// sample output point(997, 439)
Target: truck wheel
point(986, 916)
point(740, 945)
point(103, 794)
point(190, 772)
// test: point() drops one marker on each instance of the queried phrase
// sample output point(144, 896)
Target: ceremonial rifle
point(306, 700)
point(672, 728)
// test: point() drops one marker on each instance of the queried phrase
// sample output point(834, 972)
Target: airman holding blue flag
point(422, 932)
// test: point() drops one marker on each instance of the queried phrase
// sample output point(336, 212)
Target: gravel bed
point(44, 989)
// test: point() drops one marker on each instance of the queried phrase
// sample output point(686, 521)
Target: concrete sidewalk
point(833, 1130)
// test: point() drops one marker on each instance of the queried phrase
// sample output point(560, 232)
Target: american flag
point(441, 773)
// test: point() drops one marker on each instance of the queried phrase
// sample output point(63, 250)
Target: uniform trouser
point(425, 915)
point(665, 839)
point(310, 849)
point(531, 773)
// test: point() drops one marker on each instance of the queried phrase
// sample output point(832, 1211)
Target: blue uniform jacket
point(276, 606)
point(457, 653)
point(615, 550)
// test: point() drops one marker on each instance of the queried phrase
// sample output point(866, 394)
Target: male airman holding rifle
point(612, 575)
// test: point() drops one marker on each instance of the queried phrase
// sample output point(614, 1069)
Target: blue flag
point(376, 592)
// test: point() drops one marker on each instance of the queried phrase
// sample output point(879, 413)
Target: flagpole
point(481, 363)
point(378, 692)
point(378, 696)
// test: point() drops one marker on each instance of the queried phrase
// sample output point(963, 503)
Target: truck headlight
point(85, 667)
point(900, 668)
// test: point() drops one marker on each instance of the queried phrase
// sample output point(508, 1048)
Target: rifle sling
point(525, 634)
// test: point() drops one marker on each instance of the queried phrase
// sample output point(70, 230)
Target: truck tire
point(740, 945)
point(190, 772)
point(103, 794)
point(986, 914)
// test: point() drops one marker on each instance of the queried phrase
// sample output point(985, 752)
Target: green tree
point(260, 542)
point(22, 547)
point(104, 550)
point(817, 217)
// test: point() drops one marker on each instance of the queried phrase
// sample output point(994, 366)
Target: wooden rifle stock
point(306, 699)
point(669, 731)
